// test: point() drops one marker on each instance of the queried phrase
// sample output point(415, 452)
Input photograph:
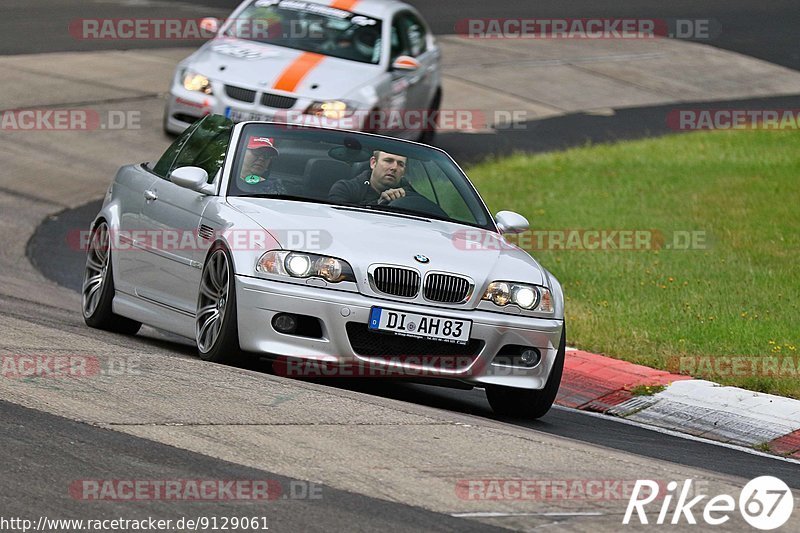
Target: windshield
point(310, 27)
point(351, 169)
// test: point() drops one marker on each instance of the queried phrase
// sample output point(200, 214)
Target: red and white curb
point(701, 408)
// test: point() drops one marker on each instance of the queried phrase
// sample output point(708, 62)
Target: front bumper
point(259, 300)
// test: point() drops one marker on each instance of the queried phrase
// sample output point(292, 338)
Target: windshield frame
point(242, 129)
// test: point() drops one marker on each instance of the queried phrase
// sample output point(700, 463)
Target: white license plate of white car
point(237, 115)
point(421, 326)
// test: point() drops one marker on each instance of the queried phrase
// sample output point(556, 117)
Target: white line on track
point(681, 435)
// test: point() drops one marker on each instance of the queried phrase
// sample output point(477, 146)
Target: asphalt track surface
point(49, 254)
point(44, 452)
point(766, 30)
point(35, 439)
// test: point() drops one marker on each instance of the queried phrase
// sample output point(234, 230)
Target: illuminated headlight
point(529, 297)
point(302, 265)
point(331, 109)
point(196, 82)
point(298, 265)
point(525, 297)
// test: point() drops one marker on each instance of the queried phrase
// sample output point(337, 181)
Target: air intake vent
point(205, 232)
point(396, 281)
point(243, 95)
point(277, 101)
point(446, 288)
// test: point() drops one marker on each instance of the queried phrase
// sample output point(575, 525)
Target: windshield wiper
point(390, 211)
point(291, 197)
point(396, 211)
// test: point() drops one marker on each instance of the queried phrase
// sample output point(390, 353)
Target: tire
point(97, 290)
point(216, 327)
point(526, 403)
point(428, 136)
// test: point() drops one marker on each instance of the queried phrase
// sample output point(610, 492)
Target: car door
point(422, 47)
point(133, 187)
point(409, 36)
point(173, 216)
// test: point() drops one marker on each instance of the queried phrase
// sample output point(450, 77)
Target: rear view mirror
point(511, 222)
point(405, 63)
point(193, 178)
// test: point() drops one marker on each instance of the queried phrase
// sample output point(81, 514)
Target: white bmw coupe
point(369, 65)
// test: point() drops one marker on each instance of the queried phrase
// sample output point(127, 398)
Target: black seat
point(358, 168)
point(321, 174)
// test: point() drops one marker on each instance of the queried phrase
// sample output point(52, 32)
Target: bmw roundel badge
point(422, 258)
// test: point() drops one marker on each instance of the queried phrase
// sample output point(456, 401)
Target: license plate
point(420, 326)
point(238, 115)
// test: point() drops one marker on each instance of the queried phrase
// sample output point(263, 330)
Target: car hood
point(259, 66)
point(363, 238)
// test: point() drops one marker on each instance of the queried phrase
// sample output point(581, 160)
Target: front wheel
point(97, 291)
point(216, 328)
point(526, 403)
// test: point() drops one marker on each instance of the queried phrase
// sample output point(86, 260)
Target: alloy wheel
point(213, 300)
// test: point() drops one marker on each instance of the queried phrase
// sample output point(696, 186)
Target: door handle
point(150, 196)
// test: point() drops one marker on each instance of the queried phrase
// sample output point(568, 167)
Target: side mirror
point(193, 178)
point(210, 26)
point(511, 222)
point(405, 63)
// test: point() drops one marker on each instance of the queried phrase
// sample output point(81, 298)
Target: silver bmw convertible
point(314, 246)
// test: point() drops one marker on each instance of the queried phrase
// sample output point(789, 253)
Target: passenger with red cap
point(254, 176)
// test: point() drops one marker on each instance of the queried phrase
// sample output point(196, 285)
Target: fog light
point(529, 357)
point(285, 323)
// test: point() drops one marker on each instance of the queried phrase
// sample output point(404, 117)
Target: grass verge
point(728, 308)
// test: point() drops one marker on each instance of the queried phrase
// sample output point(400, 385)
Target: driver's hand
point(392, 194)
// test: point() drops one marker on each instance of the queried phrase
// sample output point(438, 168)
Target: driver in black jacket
point(382, 183)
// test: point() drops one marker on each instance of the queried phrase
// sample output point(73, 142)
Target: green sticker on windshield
point(252, 179)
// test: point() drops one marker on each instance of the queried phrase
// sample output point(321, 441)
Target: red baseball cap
point(256, 143)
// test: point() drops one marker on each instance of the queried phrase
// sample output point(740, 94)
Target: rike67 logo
point(765, 503)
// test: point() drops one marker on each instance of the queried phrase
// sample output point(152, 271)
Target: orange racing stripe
point(347, 5)
point(291, 77)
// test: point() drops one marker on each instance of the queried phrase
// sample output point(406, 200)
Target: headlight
point(196, 82)
point(298, 265)
point(498, 292)
point(302, 265)
point(331, 109)
point(530, 297)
